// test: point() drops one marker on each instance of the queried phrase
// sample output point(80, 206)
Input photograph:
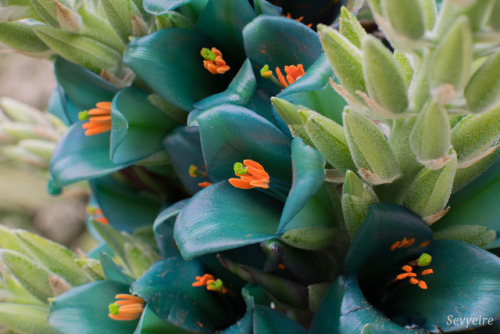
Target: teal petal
point(57, 107)
point(167, 289)
point(169, 61)
point(261, 105)
point(231, 134)
point(327, 318)
point(84, 309)
point(79, 157)
point(269, 321)
point(222, 217)
point(242, 326)
point(464, 285)
point(223, 21)
point(125, 207)
point(84, 88)
point(150, 323)
point(308, 175)
point(138, 126)
point(239, 92)
point(356, 312)
point(159, 7)
point(477, 202)
point(164, 229)
point(265, 7)
point(314, 91)
point(184, 149)
point(278, 41)
point(112, 271)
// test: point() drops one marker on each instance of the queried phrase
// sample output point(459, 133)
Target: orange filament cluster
point(97, 215)
point(403, 243)
point(195, 172)
point(127, 307)
point(99, 119)
point(289, 16)
point(210, 282)
point(214, 62)
point(204, 184)
point(408, 273)
point(252, 175)
point(292, 74)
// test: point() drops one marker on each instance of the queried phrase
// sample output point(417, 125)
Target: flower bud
point(81, 50)
point(329, 139)
point(47, 9)
point(32, 276)
point(350, 27)
point(137, 261)
point(25, 318)
point(41, 148)
point(21, 37)
point(475, 136)
point(92, 268)
point(120, 17)
point(430, 137)
point(356, 200)
point(473, 234)
point(383, 77)
point(370, 150)
point(451, 62)
point(430, 191)
point(493, 21)
point(406, 17)
point(345, 58)
point(483, 90)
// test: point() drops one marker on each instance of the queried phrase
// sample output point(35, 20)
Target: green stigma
point(207, 54)
point(239, 169)
point(264, 71)
point(424, 260)
point(114, 309)
point(193, 171)
point(216, 285)
point(83, 115)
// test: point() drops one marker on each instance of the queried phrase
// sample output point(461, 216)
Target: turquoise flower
point(399, 280)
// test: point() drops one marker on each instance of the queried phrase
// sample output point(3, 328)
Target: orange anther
point(103, 220)
point(215, 65)
point(407, 268)
point(424, 244)
point(413, 280)
point(427, 272)
point(412, 275)
point(402, 243)
point(281, 266)
point(255, 176)
point(422, 285)
point(401, 276)
point(204, 184)
point(99, 119)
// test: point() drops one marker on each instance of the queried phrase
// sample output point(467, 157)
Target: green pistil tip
point(264, 72)
point(424, 260)
point(193, 171)
point(216, 285)
point(239, 169)
point(114, 309)
point(208, 54)
point(83, 115)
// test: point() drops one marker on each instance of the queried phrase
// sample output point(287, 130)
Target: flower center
point(211, 283)
point(408, 273)
point(97, 215)
point(251, 175)
point(127, 307)
point(99, 119)
point(293, 73)
point(214, 62)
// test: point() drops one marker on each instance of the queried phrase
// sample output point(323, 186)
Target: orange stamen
point(255, 176)
point(216, 66)
point(422, 285)
point(103, 220)
point(281, 266)
point(407, 268)
point(99, 120)
point(401, 276)
point(204, 184)
point(210, 283)
point(293, 73)
point(427, 272)
point(289, 16)
point(413, 280)
point(402, 243)
point(126, 307)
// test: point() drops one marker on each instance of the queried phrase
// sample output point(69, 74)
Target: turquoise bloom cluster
point(267, 167)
